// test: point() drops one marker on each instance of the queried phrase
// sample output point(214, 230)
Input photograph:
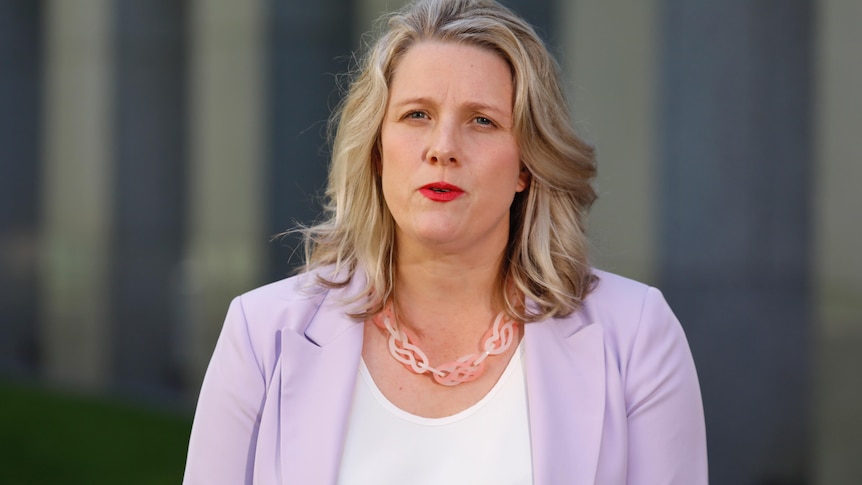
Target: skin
point(449, 119)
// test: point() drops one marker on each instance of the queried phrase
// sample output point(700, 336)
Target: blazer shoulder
point(299, 304)
point(623, 306)
point(616, 295)
point(284, 305)
point(293, 289)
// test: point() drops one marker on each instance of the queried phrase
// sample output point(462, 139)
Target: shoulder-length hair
point(546, 256)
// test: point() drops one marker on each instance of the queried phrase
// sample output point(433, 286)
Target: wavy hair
point(546, 256)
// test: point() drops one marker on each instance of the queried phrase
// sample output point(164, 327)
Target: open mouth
point(441, 191)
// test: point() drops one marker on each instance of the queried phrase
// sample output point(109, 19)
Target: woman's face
point(450, 161)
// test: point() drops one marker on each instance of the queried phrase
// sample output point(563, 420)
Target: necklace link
point(498, 339)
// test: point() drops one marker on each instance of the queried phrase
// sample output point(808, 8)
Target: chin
point(437, 239)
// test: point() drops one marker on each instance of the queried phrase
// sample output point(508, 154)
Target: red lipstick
point(441, 191)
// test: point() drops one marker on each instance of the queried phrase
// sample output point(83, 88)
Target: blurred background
point(150, 149)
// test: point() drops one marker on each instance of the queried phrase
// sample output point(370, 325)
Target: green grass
point(51, 437)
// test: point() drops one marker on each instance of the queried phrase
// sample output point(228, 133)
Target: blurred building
point(150, 149)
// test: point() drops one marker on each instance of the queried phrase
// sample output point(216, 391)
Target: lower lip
point(441, 196)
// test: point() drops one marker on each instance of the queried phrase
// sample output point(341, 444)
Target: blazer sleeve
point(227, 418)
point(666, 430)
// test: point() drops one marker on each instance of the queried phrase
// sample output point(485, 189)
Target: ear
point(523, 179)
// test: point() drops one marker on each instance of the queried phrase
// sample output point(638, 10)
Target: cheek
point(397, 163)
point(392, 181)
point(389, 168)
point(511, 170)
point(391, 153)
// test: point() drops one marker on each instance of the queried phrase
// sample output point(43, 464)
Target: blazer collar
point(565, 371)
point(318, 375)
point(331, 319)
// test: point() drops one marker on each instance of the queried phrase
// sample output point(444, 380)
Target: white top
point(487, 443)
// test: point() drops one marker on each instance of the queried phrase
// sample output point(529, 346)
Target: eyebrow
point(473, 106)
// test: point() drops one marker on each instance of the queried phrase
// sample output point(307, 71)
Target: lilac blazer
point(612, 391)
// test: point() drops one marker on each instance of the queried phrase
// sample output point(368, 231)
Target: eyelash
point(480, 120)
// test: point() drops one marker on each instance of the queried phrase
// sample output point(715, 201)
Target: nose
point(443, 144)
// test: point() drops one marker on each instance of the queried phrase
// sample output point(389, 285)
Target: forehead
point(453, 71)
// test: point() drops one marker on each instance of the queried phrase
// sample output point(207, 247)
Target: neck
point(448, 293)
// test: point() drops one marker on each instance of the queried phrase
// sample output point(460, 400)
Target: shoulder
point(629, 312)
point(289, 305)
point(617, 300)
point(273, 298)
point(292, 305)
point(280, 302)
point(622, 292)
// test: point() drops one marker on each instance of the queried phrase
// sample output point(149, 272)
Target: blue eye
point(416, 115)
point(484, 121)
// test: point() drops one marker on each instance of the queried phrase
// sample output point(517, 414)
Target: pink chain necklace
point(497, 340)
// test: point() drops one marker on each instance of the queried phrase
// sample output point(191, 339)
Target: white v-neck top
point(487, 443)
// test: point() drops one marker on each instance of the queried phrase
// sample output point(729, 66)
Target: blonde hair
point(546, 258)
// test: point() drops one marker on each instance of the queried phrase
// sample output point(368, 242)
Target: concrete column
point(368, 11)
point(227, 240)
point(149, 181)
point(838, 239)
point(309, 47)
point(538, 12)
point(20, 99)
point(610, 52)
point(735, 241)
point(75, 331)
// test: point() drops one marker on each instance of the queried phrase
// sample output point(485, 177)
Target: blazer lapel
point(566, 395)
point(318, 376)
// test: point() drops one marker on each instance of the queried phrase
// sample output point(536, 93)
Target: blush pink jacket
point(612, 391)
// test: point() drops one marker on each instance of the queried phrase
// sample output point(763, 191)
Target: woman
point(448, 327)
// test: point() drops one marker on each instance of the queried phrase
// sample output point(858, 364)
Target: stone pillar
point(838, 232)
point(309, 47)
point(610, 54)
point(20, 98)
point(149, 182)
point(77, 207)
point(735, 236)
point(367, 12)
point(227, 239)
point(541, 15)
point(538, 12)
